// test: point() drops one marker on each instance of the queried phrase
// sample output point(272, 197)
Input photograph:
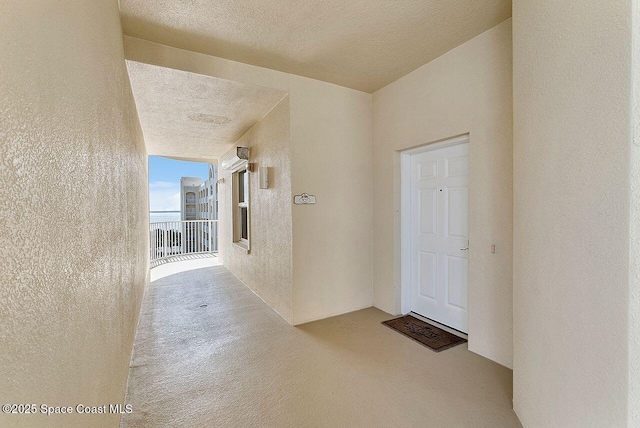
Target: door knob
point(463, 249)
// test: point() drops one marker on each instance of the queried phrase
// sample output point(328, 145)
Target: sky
point(164, 181)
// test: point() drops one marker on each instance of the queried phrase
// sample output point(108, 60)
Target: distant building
point(189, 188)
point(199, 201)
point(208, 197)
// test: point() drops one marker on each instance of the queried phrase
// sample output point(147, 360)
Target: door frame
point(405, 213)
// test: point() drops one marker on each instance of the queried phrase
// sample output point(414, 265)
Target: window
point(241, 226)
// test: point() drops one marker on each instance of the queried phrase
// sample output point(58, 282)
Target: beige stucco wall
point(467, 90)
point(572, 65)
point(634, 224)
point(267, 269)
point(73, 226)
point(331, 159)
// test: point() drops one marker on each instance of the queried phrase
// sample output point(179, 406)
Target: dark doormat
point(430, 336)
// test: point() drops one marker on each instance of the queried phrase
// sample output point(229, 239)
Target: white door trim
point(405, 214)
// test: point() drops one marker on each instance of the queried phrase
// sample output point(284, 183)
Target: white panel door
point(439, 241)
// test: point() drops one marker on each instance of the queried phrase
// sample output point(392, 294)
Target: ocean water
point(157, 216)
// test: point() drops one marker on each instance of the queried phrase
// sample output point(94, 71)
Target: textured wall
point(467, 90)
point(267, 269)
point(74, 209)
point(331, 159)
point(572, 64)
point(634, 247)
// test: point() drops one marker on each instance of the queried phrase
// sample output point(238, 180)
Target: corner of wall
point(634, 232)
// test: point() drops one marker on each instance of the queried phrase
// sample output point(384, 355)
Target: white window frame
point(238, 240)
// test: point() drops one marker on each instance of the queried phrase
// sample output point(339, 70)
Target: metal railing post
point(164, 240)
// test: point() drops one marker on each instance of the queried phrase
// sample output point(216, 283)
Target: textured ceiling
point(361, 44)
point(192, 116)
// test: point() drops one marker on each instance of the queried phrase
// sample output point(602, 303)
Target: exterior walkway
point(210, 353)
point(182, 257)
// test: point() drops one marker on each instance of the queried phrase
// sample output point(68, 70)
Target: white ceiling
point(362, 44)
point(192, 116)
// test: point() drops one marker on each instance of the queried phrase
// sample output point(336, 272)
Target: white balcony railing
point(174, 238)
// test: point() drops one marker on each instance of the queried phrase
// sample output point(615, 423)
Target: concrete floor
point(210, 353)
